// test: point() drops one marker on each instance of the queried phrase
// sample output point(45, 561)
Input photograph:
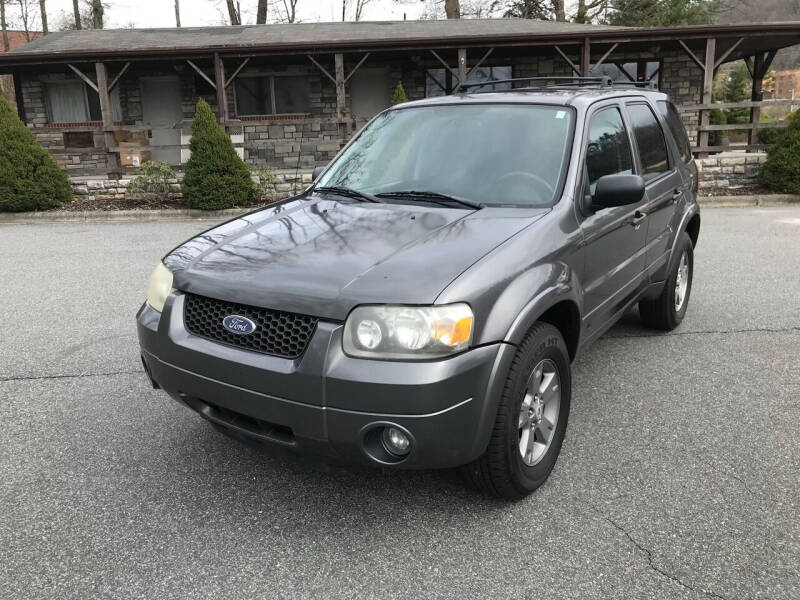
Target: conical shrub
point(216, 177)
point(29, 177)
point(781, 171)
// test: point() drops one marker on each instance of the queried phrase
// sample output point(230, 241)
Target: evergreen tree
point(216, 177)
point(399, 94)
point(29, 177)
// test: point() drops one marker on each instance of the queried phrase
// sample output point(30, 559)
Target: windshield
point(491, 154)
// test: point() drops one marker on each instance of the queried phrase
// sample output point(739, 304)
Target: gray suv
point(420, 304)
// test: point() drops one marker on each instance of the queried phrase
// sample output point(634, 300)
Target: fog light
point(395, 441)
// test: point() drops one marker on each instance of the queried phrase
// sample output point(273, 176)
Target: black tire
point(501, 471)
point(661, 313)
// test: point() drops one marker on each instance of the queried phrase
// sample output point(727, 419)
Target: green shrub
point(399, 94)
point(152, 182)
point(265, 182)
point(29, 177)
point(216, 177)
point(781, 171)
point(770, 136)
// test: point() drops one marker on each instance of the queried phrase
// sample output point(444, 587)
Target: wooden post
point(586, 52)
point(462, 66)
point(756, 96)
point(222, 98)
point(708, 86)
point(108, 119)
point(341, 96)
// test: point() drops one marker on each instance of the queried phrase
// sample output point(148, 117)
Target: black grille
point(277, 333)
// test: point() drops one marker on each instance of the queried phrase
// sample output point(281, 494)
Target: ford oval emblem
point(238, 324)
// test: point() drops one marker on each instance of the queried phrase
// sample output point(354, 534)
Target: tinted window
point(440, 83)
point(609, 150)
point(675, 124)
point(494, 154)
point(291, 95)
point(253, 96)
point(650, 140)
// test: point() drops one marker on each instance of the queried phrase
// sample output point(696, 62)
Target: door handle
point(638, 217)
point(676, 195)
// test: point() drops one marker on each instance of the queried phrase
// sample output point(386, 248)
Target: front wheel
point(531, 419)
point(666, 312)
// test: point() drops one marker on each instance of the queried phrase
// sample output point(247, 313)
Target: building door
point(161, 108)
point(370, 92)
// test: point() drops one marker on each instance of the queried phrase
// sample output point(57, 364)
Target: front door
point(614, 238)
point(161, 108)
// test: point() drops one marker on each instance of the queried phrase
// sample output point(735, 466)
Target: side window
point(650, 140)
point(609, 150)
point(676, 128)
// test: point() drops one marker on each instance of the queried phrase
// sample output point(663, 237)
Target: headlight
point(408, 332)
point(160, 287)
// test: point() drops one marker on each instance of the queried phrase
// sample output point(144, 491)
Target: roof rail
point(602, 81)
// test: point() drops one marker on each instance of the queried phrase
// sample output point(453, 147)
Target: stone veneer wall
point(729, 172)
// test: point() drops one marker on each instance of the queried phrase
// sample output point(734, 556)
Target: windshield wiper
point(347, 192)
point(443, 199)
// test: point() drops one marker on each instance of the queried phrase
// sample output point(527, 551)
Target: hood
point(322, 257)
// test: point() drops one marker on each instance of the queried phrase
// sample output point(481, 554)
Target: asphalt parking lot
point(679, 477)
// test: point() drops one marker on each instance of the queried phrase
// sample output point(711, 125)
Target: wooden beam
point(624, 71)
point(200, 72)
point(748, 61)
point(236, 72)
point(727, 52)
point(361, 62)
point(692, 55)
point(478, 64)
point(745, 104)
point(321, 68)
point(86, 79)
point(112, 159)
point(222, 97)
point(605, 56)
point(341, 95)
point(569, 62)
point(708, 85)
point(768, 62)
point(446, 66)
point(116, 79)
point(586, 53)
point(462, 66)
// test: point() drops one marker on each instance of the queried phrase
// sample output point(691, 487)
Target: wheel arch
point(693, 228)
point(562, 313)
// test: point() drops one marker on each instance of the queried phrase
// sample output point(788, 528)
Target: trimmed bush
point(781, 171)
point(216, 178)
point(152, 182)
point(399, 94)
point(29, 177)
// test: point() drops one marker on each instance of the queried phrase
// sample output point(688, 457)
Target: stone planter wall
point(287, 183)
point(729, 173)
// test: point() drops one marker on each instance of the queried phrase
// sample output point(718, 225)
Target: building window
point(272, 95)
point(440, 82)
point(75, 102)
point(640, 71)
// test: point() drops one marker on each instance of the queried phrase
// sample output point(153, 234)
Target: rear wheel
point(667, 311)
point(531, 419)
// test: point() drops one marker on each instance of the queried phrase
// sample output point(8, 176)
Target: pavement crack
point(703, 332)
point(68, 376)
point(651, 563)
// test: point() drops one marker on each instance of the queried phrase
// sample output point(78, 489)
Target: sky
point(198, 13)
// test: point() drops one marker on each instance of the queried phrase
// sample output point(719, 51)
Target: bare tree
point(3, 25)
point(97, 14)
point(558, 9)
point(177, 13)
point(289, 13)
point(77, 11)
point(233, 13)
point(43, 15)
point(452, 9)
point(261, 12)
point(25, 18)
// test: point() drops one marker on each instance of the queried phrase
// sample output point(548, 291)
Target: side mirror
point(317, 172)
point(617, 190)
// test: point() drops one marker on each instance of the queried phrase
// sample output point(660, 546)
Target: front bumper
point(326, 402)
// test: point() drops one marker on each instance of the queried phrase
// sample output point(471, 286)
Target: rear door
point(614, 237)
point(161, 108)
point(663, 184)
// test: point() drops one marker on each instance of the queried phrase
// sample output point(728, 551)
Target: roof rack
point(560, 81)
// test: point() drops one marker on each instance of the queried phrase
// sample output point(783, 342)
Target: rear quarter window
point(676, 128)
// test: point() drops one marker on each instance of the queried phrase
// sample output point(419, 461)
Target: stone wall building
point(291, 96)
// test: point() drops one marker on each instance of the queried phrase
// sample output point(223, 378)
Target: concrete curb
point(169, 214)
point(747, 200)
point(182, 214)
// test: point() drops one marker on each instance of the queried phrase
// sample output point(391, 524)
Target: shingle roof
point(307, 35)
